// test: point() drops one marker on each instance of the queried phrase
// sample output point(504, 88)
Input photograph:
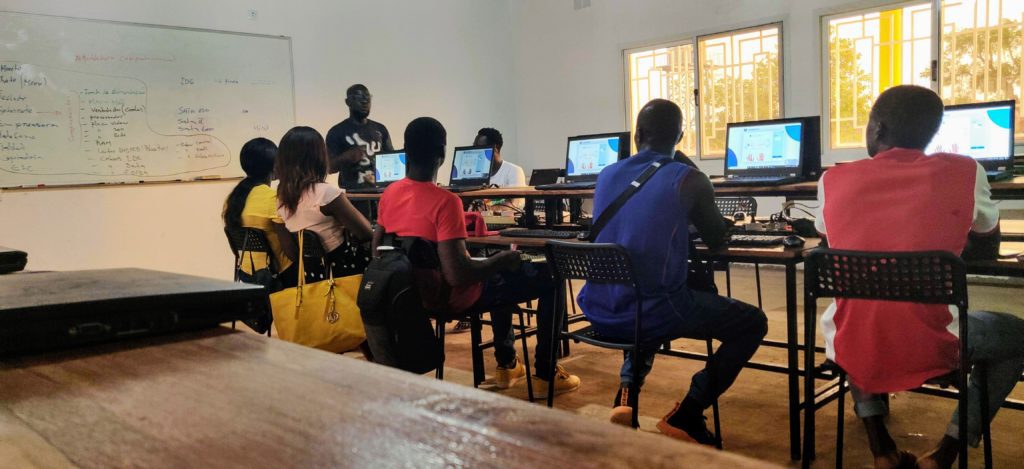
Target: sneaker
point(691, 428)
point(462, 326)
point(622, 408)
point(505, 378)
point(564, 382)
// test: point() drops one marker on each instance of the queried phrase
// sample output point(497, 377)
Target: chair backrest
point(314, 256)
point(933, 277)
point(249, 240)
point(730, 206)
point(593, 262)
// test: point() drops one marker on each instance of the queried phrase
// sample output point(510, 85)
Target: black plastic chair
point(243, 240)
point(729, 207)
point(610, 264)
point(930, 277)
point(314, 256)
point(423, 255)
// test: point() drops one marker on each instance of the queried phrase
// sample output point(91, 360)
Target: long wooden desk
point(1003, 190)
point(789, 258)
point(230, 399)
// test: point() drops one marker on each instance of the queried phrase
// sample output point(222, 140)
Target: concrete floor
point(754, 411)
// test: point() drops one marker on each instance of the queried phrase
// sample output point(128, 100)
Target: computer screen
point(472, 163)
point(588, 156)
point(983, 132)
point(763, 146)
point(390, 166)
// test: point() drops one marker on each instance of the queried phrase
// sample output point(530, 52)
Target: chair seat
point(588, 335)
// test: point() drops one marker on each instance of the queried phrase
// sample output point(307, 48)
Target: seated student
point(938, 202)
point(253, 204)
point(305, 201)
point(416, 207)
point(653, 226)
point(503, 174)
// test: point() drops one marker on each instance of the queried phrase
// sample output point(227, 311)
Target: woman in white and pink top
point(306, 202)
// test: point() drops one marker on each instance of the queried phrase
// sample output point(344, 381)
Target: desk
point(1012, 189)
point(231, 399)
point(789, 258)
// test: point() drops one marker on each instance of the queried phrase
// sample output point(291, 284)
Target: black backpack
point(398, 329)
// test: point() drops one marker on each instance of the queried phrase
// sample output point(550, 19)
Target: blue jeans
point(699, 315)
point(995, 340)
point(502, 292)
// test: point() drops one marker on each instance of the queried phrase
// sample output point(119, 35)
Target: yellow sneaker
point(564, 382)
point(505, 378)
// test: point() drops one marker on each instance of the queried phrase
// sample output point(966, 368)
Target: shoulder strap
point(616, 205)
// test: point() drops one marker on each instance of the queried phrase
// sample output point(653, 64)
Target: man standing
point(653, 226)
point(353, 142)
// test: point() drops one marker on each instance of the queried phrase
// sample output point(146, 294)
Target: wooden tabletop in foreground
point(230, 399)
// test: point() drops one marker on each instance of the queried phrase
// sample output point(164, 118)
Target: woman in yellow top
point(253, 204)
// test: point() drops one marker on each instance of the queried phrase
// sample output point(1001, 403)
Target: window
point(739, 80)
point(981, 57)
point(667, 73)
point(868, 52)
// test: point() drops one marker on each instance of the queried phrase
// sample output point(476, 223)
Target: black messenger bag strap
point(616, 205)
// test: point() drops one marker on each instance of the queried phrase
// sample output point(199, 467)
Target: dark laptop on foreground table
point(586, 156)
point(982, 131)
point(773, 152)
point(52, 310)
point(388, 167)
point(471, 168)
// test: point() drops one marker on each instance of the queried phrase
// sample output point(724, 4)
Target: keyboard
point(756, 181)
point(567, 186)
point(538, 233)
point(458, 189)
point(756, 240)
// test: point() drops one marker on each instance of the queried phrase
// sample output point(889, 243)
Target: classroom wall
point(571, 71)
point(444, 58)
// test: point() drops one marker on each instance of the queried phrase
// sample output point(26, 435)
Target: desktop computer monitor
point(983, 131)
point(472, 165)
point(587, 155)
point(785, 147)
point(389, 166)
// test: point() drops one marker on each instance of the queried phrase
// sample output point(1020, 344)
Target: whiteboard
point(87, 101)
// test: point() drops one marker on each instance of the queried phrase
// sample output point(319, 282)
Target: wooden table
point(221, 398)
point(789, 258)
point(1012, 189)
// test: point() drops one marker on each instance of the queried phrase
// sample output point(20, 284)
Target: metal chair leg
point(728, 281)
point(552, 355)
point(840, 417)
point(634, 389)
point(757, 278)
point(714, 402)
point(439, 332)
point(476, 352)
point(986, 430)
point(526, 353)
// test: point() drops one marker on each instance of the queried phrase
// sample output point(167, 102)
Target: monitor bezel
point(380, 183)
point(593, 177)
point(990, 163)
point(452, 181)
point(796, 171)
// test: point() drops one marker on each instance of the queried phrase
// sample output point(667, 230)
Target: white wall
point(443, 58)
point(570, 65)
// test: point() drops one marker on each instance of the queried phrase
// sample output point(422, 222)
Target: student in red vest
point(903, 200)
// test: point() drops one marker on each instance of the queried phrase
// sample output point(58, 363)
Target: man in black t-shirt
point(353, 142)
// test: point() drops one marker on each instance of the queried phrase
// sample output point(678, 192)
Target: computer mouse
point(792, 241)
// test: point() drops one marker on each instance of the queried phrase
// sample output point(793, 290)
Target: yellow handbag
point(322, 314)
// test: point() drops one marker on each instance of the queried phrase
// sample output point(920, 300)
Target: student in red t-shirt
point(901, 199)
point(416, 207)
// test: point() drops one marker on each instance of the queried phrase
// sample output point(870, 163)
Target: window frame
point(824, 16)
point(693, 39)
